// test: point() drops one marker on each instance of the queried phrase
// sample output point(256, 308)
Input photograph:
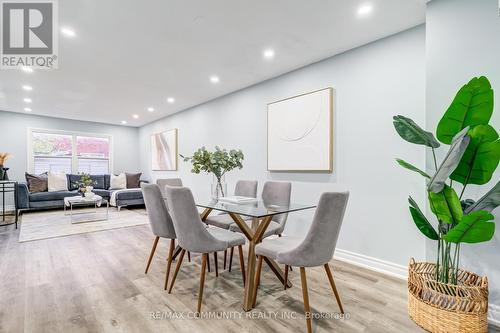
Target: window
point(71, 153)
point(93, 154)
point(51, 152)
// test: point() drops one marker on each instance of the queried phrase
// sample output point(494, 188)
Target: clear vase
point(219, 187)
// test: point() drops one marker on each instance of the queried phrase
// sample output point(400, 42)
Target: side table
point(8, 186)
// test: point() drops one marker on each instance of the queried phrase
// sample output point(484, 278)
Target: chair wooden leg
point(286, 277)
point(204, 259)
point(179, 262)
point(257, 280)
point(231, 258)
point(152, 253)
point(305, 295)
point(334, 288)
point(189, 256)
point(169, 261)
point(225, 258)
point(242, 263)
point(177, 251)
point(216, 265)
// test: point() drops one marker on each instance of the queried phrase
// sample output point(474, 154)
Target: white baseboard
point(398, 271)
point(374, 264)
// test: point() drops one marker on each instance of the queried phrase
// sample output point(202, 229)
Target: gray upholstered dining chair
point(162, 182)
point(244, 188)
point(192, 234)
point(160, 221)
point(316, 249)
point(273, 193)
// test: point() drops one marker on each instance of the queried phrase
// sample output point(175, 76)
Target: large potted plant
point(218, 163)
point(442, 296)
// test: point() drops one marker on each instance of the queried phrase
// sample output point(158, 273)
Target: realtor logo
point(29, 34)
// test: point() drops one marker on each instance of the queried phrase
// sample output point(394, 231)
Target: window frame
point(74, 154)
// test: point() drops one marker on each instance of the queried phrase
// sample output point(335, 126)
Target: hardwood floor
point(95, 282)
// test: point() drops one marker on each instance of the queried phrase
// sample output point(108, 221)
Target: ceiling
point(128, 55)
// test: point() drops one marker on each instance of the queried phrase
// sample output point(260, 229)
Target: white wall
point(13, 139)
point(372, 83)
point(463, 41)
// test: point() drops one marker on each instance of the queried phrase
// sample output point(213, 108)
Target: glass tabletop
point(254, 209)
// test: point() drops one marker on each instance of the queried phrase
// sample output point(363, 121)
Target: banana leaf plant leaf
point(446, 205)
point(480, 158)
point(488, 202)
point(411, 132)
point(408, 166)
point(450, 161)
point(472, 105)
point(475, 227)
point(421, 221)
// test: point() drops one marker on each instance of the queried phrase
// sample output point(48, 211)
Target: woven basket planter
point(440, 307)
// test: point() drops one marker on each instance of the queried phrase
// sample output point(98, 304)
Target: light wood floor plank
point(96, 283)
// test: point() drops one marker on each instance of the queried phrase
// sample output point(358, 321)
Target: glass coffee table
point(85, 215)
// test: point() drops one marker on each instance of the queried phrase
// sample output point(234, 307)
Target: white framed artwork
point(164, 151)
point(300, 133)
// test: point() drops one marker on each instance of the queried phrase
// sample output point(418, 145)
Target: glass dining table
point(261, 215)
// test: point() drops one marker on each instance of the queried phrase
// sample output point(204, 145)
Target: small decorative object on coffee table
point(86, 201)
point(86, 183)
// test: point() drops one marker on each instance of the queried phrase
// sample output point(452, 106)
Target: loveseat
point(50, 200)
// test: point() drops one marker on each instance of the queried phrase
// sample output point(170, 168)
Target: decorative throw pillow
point(99, 182)
point(73, 181)
point(118, 182)
point(36, 183)
point(133, 179)
point(57, 181)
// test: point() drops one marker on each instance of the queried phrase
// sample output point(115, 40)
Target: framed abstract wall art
point(164, 151)
point(300, 133)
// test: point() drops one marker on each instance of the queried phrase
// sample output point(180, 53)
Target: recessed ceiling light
point(135, 116)
point(268, 54)
point(214, 79)
point(27, 69)
point(124, 122)
point(27, 88)
point(68, 32)
point(170, 100)
point(27, 109)
point(151, 109)
point(365, 9)
point(27, 100)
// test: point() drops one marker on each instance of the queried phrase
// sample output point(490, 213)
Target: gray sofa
point(50, 200)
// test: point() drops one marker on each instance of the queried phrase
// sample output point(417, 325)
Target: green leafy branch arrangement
point(217, 162)
point(472, 157)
